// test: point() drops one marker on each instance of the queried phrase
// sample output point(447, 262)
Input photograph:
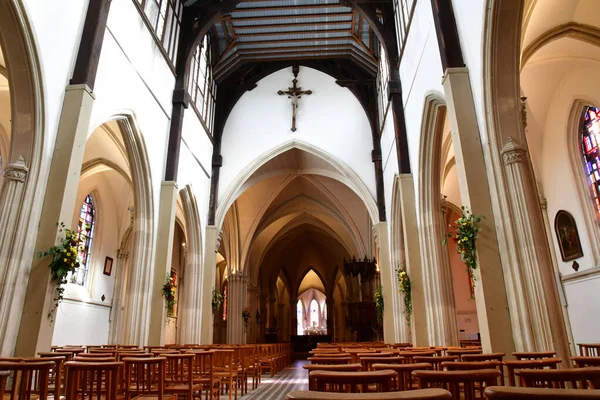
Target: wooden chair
point(404, 378)
point(475, 365)
point(331, 367)
point(92, 380)
point(533, 355)
point(461, 352)
point(24, 380)
point(93, 355)
point(351, 382)
point(203, 372)
point(56, 382)
point(367, 362)
point(483, 357)
point(179, 379)
point(518, 393)
point(513, 365)
point(410, 355)
point(425, 394)
point(583, 361)
point(465, 385)
point(435, 361)
point(330, 360)
point(79, 358)
point(567, 378)
point(226, 371)
point(589, 350)
point(145, 378)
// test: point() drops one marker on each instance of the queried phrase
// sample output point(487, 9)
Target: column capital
point(512, 152)
point(17, 171)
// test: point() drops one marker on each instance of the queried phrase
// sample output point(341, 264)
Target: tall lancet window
point(314, 314)
point(85, 235)
point(590, 146)
point(300, 318)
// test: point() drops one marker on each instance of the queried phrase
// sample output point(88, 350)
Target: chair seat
point(182, 387)
point(149, 397)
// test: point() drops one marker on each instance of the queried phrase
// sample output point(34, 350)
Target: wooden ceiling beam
point(291, 7)
point(273, 41)
point(292, 33)
point(290, 25)
point(302, 16)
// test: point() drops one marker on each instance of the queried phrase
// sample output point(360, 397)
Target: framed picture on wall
point(567, 236)
point(108, 262)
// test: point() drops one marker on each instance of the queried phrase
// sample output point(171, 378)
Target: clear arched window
point(300, 318)
point(85, 235)
point(590, 143)
point(314, 313)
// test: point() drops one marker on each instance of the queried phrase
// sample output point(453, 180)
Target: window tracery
point(590, 146)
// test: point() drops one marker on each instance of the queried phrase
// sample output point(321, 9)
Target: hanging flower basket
point(65, 259)
point(464, 233)
point(404, 284)
point(217, 300)
point(168, 292)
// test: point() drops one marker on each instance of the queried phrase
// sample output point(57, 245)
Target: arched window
point(85, 235)
point(225, 301)
point(300, 318)
point(590, 143)
point(314, 313)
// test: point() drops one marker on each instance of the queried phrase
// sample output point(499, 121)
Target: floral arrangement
point(246, 316)
point(168, 292)
point(378, 296)
point(217, 300)
point(405, 283)
point(65, 259)
point(464, 233)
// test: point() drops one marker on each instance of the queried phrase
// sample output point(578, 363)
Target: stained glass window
point(300, 318)
point(314, 313)
point(85, 234)
point(225, 302)
point(590, 142)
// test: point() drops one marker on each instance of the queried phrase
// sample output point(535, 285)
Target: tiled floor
point(294, 377)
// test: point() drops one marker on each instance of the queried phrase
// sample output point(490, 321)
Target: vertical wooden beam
point(447, 34)
point(90, 46)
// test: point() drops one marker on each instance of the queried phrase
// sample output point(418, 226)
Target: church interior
point(300, 199)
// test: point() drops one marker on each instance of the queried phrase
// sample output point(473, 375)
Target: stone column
point(162, 266)
point(236, 333)
point(412, 259)
point(490, 292)
point(535, 306)
point(390, 311)
point(35, 332)
point(116, 311)
point(253, 325)
point(212, 243)
point(281, 321)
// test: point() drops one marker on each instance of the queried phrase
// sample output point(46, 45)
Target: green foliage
point(217, 300)
point(464, 234)
point(65, 259)
point(405, 284)
point(168, 292)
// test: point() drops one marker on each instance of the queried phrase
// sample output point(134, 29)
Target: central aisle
point(294, 377)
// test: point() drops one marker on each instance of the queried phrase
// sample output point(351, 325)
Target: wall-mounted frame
point(108, 264)
point(567, 236)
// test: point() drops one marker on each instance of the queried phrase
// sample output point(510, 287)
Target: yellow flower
point(65, 260)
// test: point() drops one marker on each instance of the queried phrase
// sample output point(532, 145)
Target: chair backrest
point(567, 378)
point(466, 385)
point(403, 380)
point(589, 350)
point(56, 377)
point(483, 357)
point(96, 355)
point(424, 394)
point(533, 355)
point(144, 376)
point(435, 361)
point(519, 393)
point(514, 365)
point(79, 358)
point(583, 361)
point(24, 380)
point(204, 363)
point(330, 360)
point(367, 362)
point(460, 352)
point(351, 382)
point(179, 368)
point(93, 380)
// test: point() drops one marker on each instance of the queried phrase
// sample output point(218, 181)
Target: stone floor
point(294, 377)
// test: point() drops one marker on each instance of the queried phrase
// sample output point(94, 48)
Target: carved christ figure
point(294, 93)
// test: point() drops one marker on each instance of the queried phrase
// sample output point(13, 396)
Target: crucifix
point(294, 93)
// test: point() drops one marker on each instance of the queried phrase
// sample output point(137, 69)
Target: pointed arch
point(307, 271)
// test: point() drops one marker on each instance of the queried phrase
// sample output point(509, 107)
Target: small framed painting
point(108, 263)
point(567, 236)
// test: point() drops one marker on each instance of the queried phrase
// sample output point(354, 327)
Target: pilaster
point(164, 256)
point(212, 242)
point(35, 331)
point(236, 332)
point(490, 291)
point(390, 313)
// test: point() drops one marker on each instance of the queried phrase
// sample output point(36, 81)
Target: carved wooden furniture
point(352, 382)
point(519, 393)
point(435, 361)
point(589, 350)
point(533, 355)
point(514, 365)
point(583, 361)
point(94, 380)
point(25, 380)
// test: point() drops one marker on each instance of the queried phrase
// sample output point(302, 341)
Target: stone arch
point(139, 274)
point(190, 309)
point(20, 202)
point(437, 279)
point(345, 176)
point(303, 275)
